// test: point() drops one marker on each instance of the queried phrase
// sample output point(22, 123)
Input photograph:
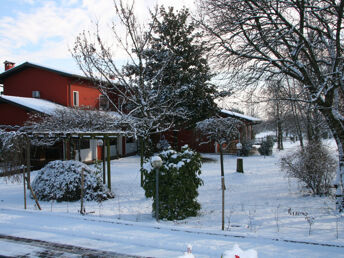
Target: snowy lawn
point(261, 203)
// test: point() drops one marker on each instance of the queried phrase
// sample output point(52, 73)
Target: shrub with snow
point(313, 165)
point(61, 181)
point(178, 183)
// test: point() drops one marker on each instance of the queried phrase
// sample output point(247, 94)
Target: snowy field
point(262, 205)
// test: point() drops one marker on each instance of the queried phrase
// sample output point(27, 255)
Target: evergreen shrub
point(61, 181)
point(246, 147)
point(266, 146)
point(178, 183)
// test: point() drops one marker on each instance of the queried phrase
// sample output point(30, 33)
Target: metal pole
point(157, 194)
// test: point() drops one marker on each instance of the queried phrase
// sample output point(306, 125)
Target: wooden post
point(64, 144)
point(34, 196)
point(28, 162)
point(104, 167)
point(223, 187)
point(82, 208)
point(108, 163)
point(24, 188)
point(240, 166)
point(79, 148)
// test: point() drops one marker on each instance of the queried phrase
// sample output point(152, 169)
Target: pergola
point(68, 137)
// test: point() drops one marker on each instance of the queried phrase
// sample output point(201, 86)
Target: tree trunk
point(279, 135)
point(279, 129)
point(297, 123)
point(310, 135)
point(337, 130)
point(142, 145)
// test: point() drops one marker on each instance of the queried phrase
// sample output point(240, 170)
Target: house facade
point(30, 88)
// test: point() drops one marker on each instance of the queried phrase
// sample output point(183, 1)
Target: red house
point(31, 88)
point(196, 141)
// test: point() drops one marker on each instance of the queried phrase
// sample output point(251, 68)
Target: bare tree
point(222, 131)
point(133, 91)
point(125, 86)
point(301, 39)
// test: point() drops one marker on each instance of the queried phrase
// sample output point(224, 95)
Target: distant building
point(197, 142)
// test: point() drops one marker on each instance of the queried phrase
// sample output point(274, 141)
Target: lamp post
point(156, 163)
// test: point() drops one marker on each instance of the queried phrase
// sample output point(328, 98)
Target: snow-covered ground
point(265, 211)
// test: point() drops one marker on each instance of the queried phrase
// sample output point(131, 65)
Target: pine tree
point(176, 60)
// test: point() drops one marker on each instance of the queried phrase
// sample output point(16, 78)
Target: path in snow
point(143, 239)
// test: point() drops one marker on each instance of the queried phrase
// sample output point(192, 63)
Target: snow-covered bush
point(61, 181)
point(238, 252)
point(178, 183)
point(314, 166)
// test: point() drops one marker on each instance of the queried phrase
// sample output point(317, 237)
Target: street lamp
point(156, 163)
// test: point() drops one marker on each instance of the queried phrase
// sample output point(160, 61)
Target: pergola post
point(79, 149)
point(64, 146)
point(104, 166)
point(108, 162)
point(28, 162)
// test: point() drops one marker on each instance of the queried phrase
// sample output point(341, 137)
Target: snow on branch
point(220, 130)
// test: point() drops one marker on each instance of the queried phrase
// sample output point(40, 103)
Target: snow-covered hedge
point(178, 183)
point(61, 181)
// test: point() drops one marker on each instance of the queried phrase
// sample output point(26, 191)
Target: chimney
point(8, 65)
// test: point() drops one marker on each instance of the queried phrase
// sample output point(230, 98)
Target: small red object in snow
point(237, 256)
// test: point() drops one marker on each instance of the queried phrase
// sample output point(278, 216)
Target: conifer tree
point(177, 57)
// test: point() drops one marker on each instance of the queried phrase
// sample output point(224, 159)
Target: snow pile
point(188, 253)
point(237, 252)
point(61, 181)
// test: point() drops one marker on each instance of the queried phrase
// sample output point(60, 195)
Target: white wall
point(91, 153)
point(131, 147)
point(88, 154)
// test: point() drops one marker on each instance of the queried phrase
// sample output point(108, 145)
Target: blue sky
point(42, 31)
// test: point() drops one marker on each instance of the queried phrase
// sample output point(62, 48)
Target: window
point(36, 94)
point(130, 140)
point(113, 141)
point(103, 102)
point(75, 98)
point(84, 144)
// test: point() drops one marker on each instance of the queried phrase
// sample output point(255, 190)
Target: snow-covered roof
point(32, 65)
point(35, 104)
point(241, 116)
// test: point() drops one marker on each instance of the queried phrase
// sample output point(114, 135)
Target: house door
point(99, 152)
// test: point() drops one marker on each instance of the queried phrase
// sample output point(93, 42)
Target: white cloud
point(48, 28)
